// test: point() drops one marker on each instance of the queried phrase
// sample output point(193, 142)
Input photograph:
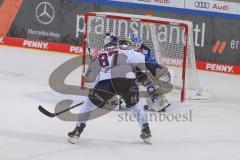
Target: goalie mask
point(111, 42)
point(135, 41)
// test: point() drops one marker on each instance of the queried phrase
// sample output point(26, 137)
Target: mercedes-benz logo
point(205, 5)
point(45, 13)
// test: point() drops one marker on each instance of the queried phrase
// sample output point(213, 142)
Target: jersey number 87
point(104, 62)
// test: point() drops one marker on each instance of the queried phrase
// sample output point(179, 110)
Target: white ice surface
point(26, 134)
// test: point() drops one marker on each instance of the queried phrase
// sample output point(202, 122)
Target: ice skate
point(146, 134)
point(73, 137)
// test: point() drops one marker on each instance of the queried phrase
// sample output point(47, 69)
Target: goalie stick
point(51, 115)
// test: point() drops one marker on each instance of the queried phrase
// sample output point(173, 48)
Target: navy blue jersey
point(150, 60)
point(149, 56)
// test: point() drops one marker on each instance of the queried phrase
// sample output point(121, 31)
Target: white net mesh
point(165, 37)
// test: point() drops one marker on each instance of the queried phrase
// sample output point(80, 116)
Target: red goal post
point(169, 39)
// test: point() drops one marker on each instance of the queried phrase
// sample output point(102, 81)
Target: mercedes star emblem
point(45, 13)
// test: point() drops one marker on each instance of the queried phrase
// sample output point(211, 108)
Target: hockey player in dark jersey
point(158, 102)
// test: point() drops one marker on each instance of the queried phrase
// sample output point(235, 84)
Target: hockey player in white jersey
point(113, 69)
point(157, 102)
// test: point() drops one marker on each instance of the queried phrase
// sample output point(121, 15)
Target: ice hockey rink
point(26, 134)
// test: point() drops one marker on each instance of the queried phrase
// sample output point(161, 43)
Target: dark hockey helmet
point(124, 44)
point(111, 41)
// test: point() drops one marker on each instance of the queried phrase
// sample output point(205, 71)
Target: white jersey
point(118, 63)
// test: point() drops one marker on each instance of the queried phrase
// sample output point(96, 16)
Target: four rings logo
point(205, 5)
point(45, 13)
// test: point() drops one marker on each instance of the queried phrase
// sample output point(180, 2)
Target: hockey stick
point(49, 114)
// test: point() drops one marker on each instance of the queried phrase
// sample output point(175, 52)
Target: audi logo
point(205, 5)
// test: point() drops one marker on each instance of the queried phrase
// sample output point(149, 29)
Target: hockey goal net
point(170, 40)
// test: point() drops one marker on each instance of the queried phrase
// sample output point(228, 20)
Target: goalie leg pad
point(155, 98)
point(160, 104)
